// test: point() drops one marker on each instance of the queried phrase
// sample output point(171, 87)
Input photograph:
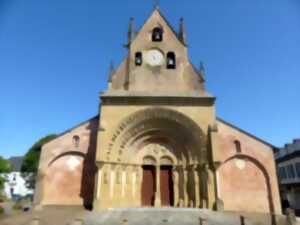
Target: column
point(204, 186)
point(197, 186)
point(101, 179)
point(185, 187)
point(181, 188)
point(98, 183)
point(211, 188)
point(112, 182)
point(175, 186)
point(214, 161)
point(157, 202)
point(218, 201)
point(139, 185)
point(136, 186)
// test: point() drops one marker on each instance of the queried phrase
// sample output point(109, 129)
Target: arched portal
point(167, 147)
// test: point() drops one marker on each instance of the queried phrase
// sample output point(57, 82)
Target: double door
point(149, 186)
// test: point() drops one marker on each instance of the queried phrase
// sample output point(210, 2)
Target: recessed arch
point(63, 181)
point(263, 171)
point(157, 125)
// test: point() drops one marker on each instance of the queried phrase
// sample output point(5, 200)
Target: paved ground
point(8, 208)
point(175, 216)
point(139, 216)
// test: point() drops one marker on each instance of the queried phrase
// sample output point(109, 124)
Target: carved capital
point(213, 127)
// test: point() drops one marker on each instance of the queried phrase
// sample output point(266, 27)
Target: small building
point(16, 186)
point(288, 166)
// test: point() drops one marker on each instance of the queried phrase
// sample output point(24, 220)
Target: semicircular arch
point(75, 153)
point(159, 125)
point(263, 171)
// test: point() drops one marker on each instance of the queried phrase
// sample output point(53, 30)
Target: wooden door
point(166, 186)
point(148, 186)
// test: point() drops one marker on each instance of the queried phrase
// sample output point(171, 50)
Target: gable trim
point(166, 21)
point(70, 129)
point(247, 133)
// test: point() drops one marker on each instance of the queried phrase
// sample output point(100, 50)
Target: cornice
point(163, 98)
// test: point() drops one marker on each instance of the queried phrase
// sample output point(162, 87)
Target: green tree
point(4, 168)
point(31, 159)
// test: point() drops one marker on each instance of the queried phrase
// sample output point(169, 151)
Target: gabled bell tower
point(157, 60)
point(155, 124)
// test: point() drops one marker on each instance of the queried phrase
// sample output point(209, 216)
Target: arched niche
point(248, 180)
point(63, 180)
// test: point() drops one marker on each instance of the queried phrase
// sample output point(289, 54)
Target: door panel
point(148, 186)
point(166, 186)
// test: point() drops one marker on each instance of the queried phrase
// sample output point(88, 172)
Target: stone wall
point(247, 179)
point(67, 167)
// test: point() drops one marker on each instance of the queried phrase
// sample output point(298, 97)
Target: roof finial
point(182, 32)
point(155, 4)
point(202, 70)
point(131, 32)
point(111, 71)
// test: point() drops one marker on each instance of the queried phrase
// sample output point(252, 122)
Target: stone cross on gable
point(155, 3)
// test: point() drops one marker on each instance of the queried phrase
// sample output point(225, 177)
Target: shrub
point(3, 198)
point(1, 210)
point(21, 203)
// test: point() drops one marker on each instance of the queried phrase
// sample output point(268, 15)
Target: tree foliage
point(5, 167)
point(31, 160)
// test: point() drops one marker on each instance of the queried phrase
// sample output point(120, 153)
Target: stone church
point(157, 141)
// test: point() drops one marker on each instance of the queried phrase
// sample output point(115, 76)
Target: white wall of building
point(15, 185)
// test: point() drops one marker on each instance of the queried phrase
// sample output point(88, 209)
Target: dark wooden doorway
point(148, 186)
point(166, 186)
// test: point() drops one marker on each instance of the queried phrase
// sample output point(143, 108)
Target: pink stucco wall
point(67, 170)
point(247, 181)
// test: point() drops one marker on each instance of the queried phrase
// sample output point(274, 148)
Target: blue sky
point(54, 58)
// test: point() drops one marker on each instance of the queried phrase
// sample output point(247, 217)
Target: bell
point(138, 61)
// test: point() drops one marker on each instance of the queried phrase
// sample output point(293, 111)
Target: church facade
point(157, 141)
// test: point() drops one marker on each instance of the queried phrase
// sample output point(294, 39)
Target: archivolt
point(157, 124)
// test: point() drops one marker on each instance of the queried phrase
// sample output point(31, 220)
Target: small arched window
point(171, 60)
point(138, 59)
point(76, 140)
point(157, 34)
point(238, 147)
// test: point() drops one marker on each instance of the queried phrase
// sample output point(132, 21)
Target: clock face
point(154, 57)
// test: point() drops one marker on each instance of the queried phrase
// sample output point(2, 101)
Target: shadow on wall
point(89, 168)
point(86, 186)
